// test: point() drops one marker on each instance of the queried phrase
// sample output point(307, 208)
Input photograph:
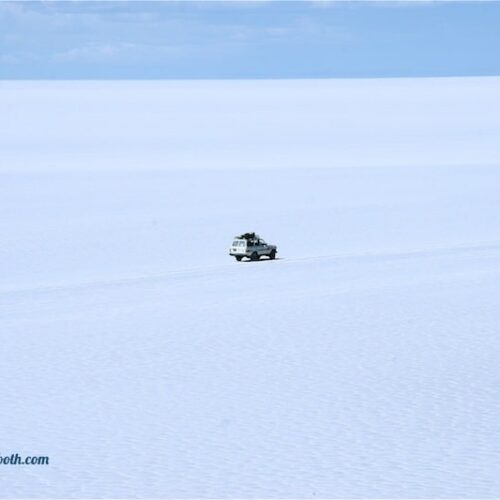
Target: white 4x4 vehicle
point(251, 245)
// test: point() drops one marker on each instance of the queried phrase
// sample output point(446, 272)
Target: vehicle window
point(242, 243)
point(236, 243)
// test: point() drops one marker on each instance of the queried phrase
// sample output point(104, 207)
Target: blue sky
point(233, 39)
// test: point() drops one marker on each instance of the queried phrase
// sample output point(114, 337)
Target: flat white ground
point(145, 362)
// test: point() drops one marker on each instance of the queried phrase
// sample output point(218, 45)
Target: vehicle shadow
point(261, 260)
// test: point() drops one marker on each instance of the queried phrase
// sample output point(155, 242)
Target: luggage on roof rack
point(249, 236)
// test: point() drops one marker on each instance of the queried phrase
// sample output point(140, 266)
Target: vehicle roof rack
point(249, 236)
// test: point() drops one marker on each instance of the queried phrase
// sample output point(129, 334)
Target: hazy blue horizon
point(247, 40)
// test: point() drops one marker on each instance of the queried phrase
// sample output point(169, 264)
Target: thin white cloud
point(382, 3)
point(116, 52)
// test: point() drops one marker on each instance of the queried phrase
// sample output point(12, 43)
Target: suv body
point(252, 246)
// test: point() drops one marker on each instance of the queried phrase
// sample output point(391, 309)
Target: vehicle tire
point(238, 258)
point(254, 256)
point(272, 255)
